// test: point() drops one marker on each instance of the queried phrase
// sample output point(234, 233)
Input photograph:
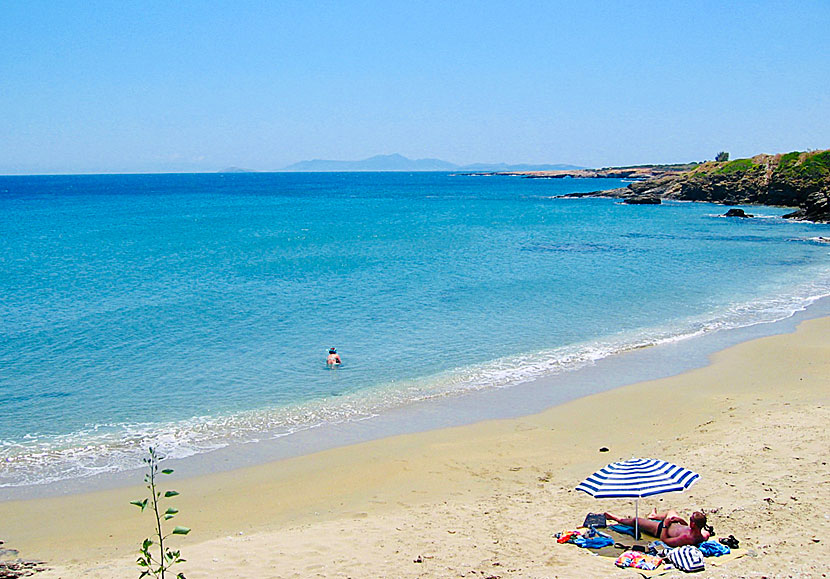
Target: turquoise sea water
point(195, 311)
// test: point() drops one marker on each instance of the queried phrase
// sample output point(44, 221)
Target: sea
point(193, 312)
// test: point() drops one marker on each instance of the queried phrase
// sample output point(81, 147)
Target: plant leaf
point(181, 531)
point(140, 504)
point(169, 494)
point(167, 471)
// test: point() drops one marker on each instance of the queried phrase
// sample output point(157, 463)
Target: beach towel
point(623, 529)
point(638, 560)
point(593, 532)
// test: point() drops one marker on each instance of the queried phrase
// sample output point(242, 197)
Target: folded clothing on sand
point(658, 547)
point(597, 542)
point(587, 539)
point(567, 536)
point(713, 549)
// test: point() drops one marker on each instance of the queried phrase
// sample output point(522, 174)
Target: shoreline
point(489, 495)
point(613, 371)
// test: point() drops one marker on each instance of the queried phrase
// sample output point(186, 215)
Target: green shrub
point(812, 166)
point(789, 159)
point(816, 166)
point(737, 166)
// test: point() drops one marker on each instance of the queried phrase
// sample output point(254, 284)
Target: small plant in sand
point(157, 566)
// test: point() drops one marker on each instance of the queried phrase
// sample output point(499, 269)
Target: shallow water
point(192, 311)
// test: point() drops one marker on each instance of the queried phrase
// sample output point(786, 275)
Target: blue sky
point(166, 86)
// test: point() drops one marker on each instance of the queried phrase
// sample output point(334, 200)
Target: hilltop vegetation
point(797, 179)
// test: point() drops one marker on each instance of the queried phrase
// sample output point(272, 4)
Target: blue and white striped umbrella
point(637, 478)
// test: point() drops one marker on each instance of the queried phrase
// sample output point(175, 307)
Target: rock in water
point(642, 201)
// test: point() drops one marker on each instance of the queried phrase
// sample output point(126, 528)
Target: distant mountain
point(236, 170)
point(397, 162)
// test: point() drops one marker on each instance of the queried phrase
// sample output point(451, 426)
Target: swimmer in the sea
point(333, 358)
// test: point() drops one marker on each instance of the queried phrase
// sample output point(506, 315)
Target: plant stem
point(153, 470)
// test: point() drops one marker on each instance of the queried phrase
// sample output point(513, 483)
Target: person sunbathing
point(670, 527)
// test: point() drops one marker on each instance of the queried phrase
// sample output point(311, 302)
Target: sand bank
point(484, 500)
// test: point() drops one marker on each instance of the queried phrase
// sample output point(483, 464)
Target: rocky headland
point(639, 172)
point(799, 179)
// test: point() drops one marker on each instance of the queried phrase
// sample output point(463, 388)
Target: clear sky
point(94, 86)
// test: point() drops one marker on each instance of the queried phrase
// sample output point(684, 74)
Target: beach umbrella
point(637, 478)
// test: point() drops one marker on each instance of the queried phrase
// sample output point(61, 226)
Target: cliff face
point(800, 180)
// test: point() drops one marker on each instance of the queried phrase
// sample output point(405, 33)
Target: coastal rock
point(638, 173)
point(737, 213)
point(797, 179)
point(642, 201)
point(613, 193)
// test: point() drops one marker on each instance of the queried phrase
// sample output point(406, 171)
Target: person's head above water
point(332, 350)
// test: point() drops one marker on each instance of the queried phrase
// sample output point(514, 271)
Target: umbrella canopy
point(637, 478)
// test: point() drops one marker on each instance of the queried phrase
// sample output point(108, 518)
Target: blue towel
point(595, 543)
point(713, 549)
point(623, 529)
point(593, 532)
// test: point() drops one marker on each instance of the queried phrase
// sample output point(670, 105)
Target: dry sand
point(484, 500)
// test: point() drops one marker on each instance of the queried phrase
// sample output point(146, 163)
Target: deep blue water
point(188, 311)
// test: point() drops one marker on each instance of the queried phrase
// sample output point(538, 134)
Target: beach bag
point(595, 520)
point(687, 558)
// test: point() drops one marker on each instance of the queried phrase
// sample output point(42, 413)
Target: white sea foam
point(106, 448)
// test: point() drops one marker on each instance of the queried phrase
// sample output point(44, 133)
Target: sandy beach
point(485, 500)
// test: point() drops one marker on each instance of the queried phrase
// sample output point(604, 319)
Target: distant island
point(798, 179)
point(396, 162)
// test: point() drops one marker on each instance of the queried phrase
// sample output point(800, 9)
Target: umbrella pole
point(637, 519)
